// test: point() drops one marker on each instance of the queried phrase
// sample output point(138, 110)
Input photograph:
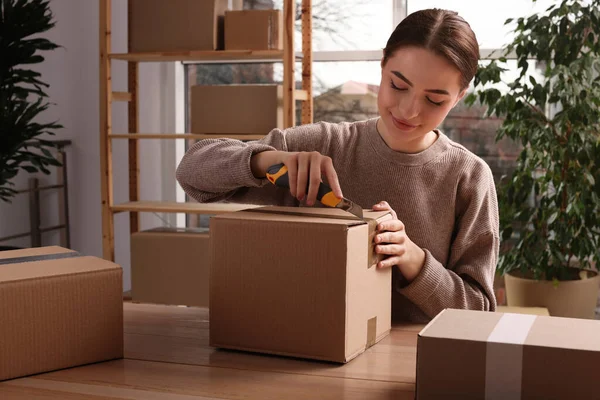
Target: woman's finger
point(314, 180)
point(292, 166)
point(390, 237)
point(389, 262)
point(332, 178)
point(391, 249)
point(393, 225)
point(302, 177)
point(384, 206)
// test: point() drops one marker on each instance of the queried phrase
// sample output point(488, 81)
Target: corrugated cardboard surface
point(170, 266)
point(253, 30)
point(292, 281)
point(58, 313)
point(236, 109)
point(558, 358)
point(367, 292)
point(177, 25)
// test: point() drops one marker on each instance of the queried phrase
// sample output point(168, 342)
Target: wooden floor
point(167, 357)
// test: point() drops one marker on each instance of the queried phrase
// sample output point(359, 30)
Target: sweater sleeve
point(467, 280)
point(219, 169)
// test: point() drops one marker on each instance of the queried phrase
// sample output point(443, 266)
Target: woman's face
point(418, 89)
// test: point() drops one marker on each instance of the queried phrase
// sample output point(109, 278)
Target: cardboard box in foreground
point(299, 282)
point(57, 310)
point(170, 266)
point(484, 355)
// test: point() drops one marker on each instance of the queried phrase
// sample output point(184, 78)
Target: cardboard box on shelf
point(236, 109)
point(178, 25)
point(475, 355)
point(170, 266)
point(58, 309)
point(299, 282)
point(253, 30)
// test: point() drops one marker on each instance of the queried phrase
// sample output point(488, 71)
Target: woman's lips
point(403, 125)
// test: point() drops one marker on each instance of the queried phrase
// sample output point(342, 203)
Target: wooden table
point(167, 357)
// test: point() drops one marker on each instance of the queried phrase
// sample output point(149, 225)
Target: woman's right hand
point(305, 172)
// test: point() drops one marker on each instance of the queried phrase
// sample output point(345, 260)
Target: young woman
point(443, 242)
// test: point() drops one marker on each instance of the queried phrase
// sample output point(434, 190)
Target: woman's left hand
point(391, 240)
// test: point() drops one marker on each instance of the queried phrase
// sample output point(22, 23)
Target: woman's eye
point(395, 87)
point(435, 102)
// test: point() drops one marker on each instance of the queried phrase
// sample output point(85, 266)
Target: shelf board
point(175, 207)
point(193, 136)
point(121, 96)
point(215, 55)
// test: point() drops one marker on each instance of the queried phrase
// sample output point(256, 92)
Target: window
point(486, 17)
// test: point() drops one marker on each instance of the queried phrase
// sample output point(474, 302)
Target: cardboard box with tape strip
point(483, 355)
point(253, 30)
point(58, 309)
point(299, 282)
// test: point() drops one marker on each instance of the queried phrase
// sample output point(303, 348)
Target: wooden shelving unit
point(214, 55)
point(108, 96)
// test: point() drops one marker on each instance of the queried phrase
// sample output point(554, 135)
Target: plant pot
point(574, 298)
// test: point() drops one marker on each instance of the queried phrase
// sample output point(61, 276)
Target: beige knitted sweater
point(444, 195)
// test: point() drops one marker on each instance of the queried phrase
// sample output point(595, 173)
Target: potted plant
point(22, 96)
point(550, 206)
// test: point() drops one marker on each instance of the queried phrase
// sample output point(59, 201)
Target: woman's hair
point(442, 31)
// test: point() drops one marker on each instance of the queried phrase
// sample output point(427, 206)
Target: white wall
point(73, 75)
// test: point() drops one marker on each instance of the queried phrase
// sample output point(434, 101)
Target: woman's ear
point(459, 98)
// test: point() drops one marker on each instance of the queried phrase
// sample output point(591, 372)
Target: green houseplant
point(22, 96)
point(550, 206)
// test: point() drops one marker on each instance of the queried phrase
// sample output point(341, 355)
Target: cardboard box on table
point(178, 25)
point(236, 109)
point(483, 355)
point(58, 309)
point(299, 282)
point(170, 266)
point(253, 30)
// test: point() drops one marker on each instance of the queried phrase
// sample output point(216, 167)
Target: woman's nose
point(409, 108)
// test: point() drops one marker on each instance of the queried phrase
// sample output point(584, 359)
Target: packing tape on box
point(41, 257)
point(504, 356)
point(373, 257)
point(371, 331)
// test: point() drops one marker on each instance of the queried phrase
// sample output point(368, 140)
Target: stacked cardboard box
point(253, 30)
point(58, 309)
point(299, 282)
point(178, 25)
point(236, 109)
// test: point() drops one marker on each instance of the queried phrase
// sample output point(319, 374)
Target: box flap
point(57, 267)
point(315, 215)
point(169, 229)
point(565, 333)
point(462, 325)
point(34, 251)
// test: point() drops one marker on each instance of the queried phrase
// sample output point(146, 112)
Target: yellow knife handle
point(278, 175)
